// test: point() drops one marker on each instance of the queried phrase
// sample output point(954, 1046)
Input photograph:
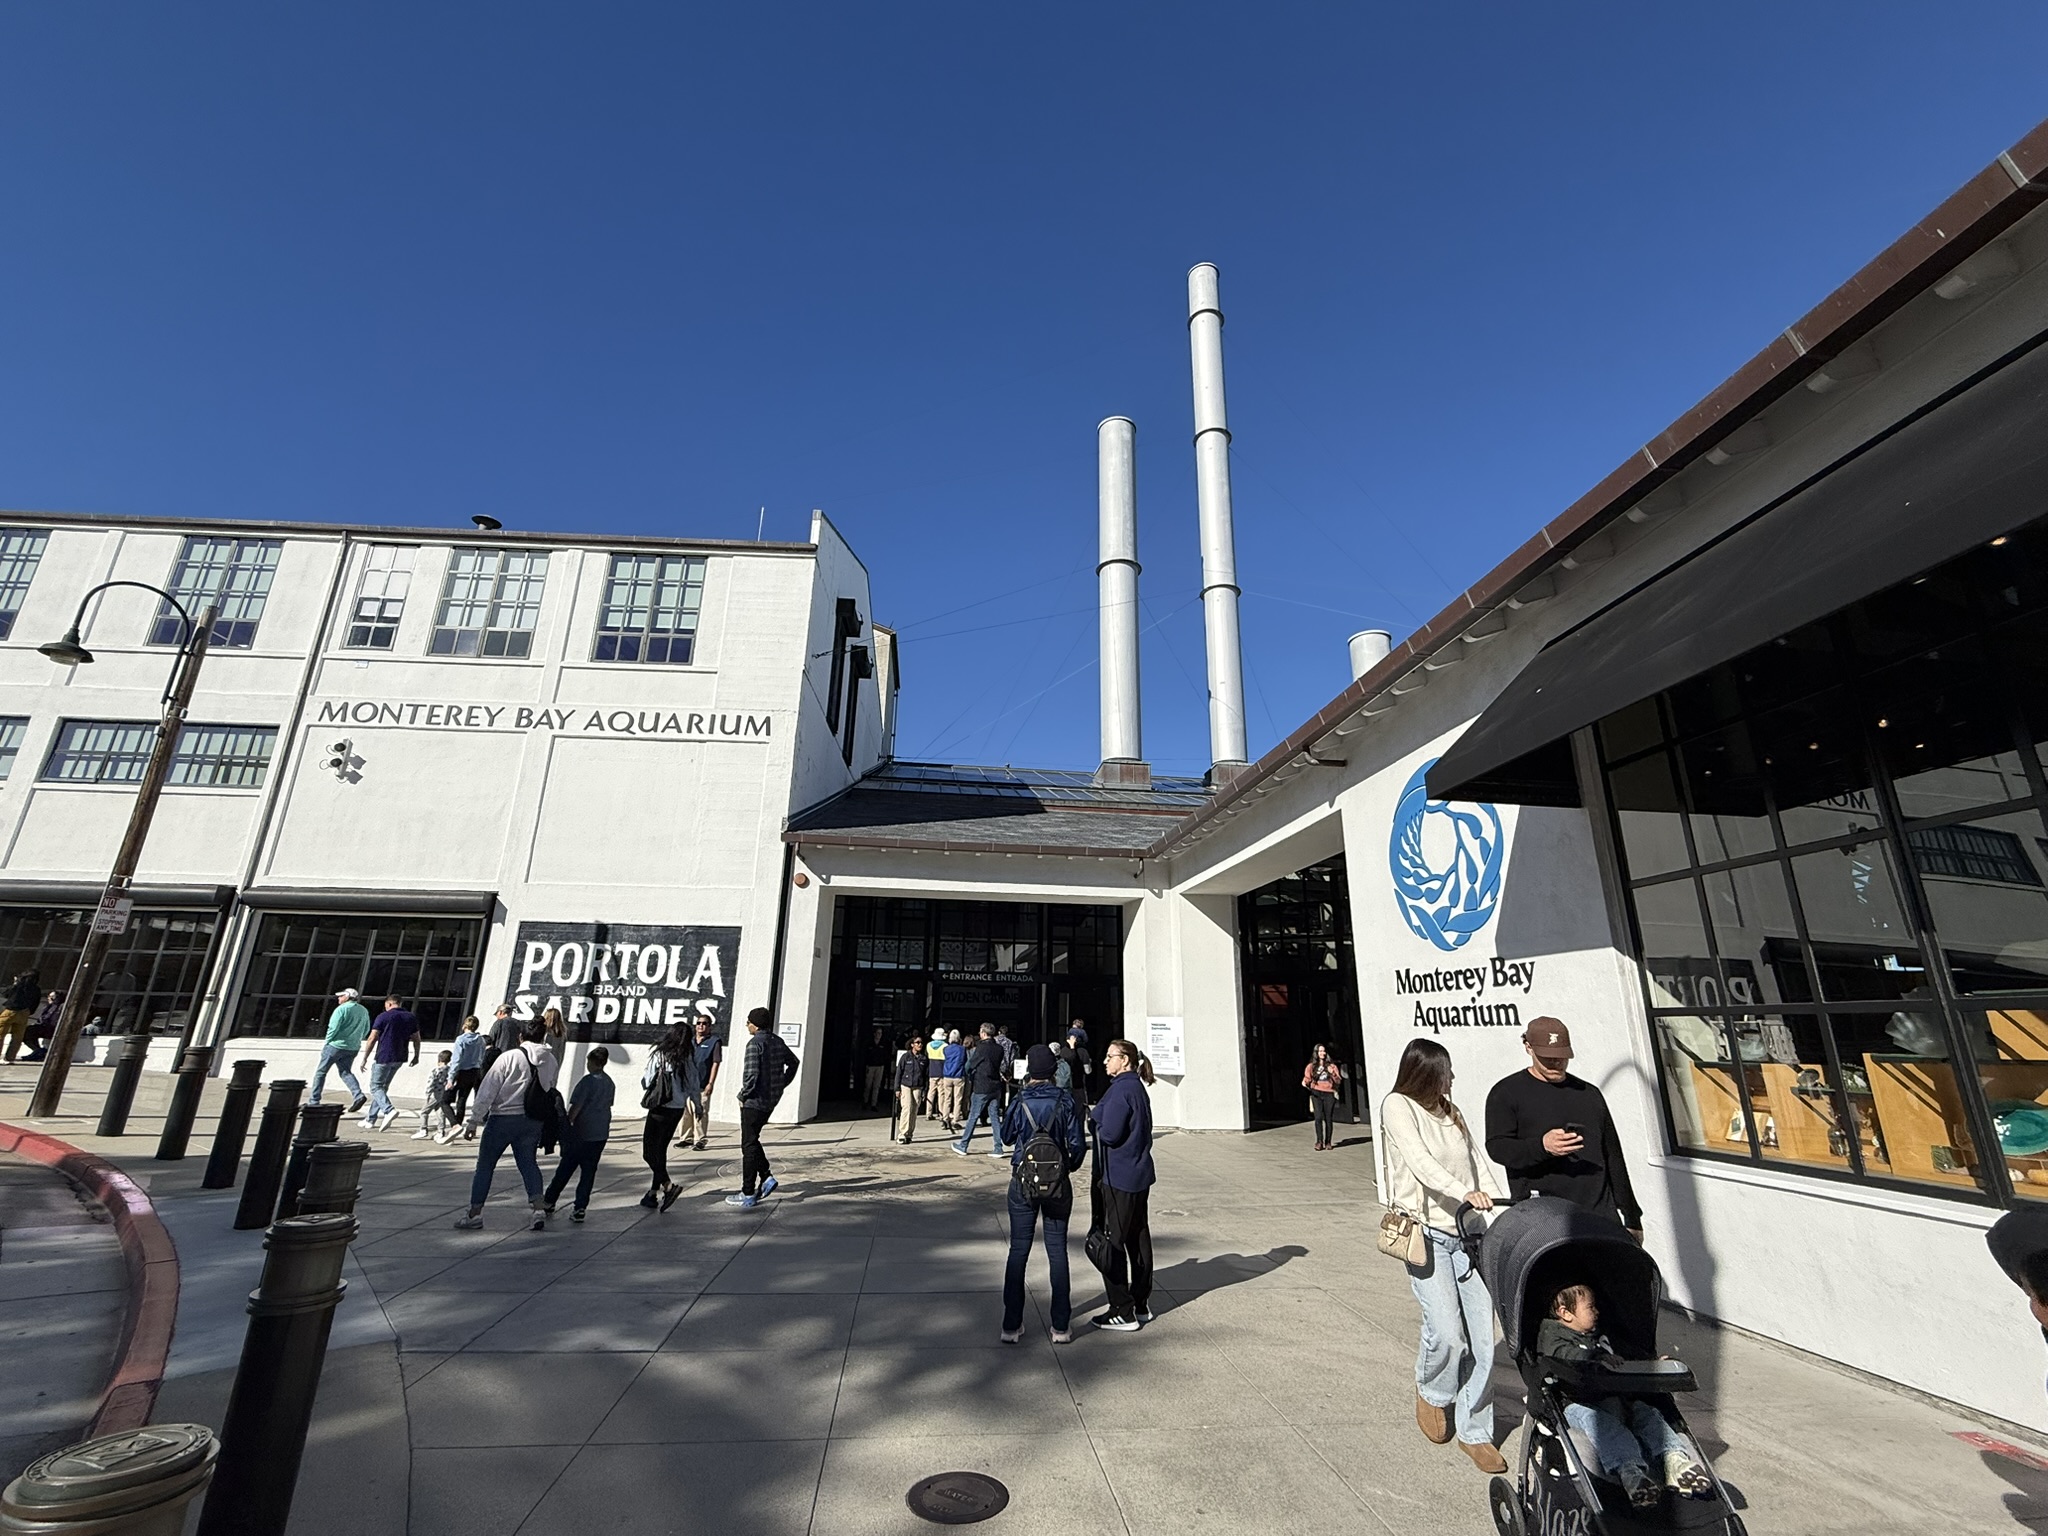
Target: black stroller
point(1534, 1248)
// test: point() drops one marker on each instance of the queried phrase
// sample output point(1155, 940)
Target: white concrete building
point(463, 768)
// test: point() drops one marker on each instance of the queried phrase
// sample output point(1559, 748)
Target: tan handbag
point(1401, 1236)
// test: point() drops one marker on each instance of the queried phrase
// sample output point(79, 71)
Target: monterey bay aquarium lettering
point(678, 725)
point(1472, 982)
point(624, 981)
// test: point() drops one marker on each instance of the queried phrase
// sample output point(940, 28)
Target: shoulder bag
point(1401, 1236)
point(656, 1095)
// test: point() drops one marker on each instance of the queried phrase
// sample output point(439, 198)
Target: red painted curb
point(152, 1261)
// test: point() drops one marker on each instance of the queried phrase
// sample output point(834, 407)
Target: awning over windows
point(1964, 471)
point(359, 899)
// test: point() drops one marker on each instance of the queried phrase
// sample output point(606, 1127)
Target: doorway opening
point(1301, 988)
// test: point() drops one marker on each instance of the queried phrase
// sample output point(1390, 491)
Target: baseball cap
point(348, 994)
point(1039, 1062)
point(1547, 1034)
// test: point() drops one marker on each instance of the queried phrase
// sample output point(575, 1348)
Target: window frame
point(514, 640)
point(391, 609)
point(18, 572)
point(646, 635)
point(133, 747)
point(240, 612)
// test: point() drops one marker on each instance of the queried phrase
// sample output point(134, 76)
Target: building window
point(155, 973)
point(1972, 853)
point(21, 550)
point(117, 751)
point(490, 603)
point(233, 574)
point(301, 960)
point(380, 598)
point(650, 609)
point(12, 729)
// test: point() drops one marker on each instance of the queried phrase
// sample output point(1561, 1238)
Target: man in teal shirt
point(346, 1027)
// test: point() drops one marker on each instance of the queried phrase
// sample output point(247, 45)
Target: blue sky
point(648, 267)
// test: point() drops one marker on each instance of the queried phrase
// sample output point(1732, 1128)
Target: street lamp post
point(92, 959)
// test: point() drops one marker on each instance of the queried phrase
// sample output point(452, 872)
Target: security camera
point(340, 748)
point(340, 758)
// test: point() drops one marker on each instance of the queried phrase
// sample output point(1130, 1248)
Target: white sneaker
point(421, 1135)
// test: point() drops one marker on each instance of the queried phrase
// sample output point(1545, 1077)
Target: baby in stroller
point(1625, 1435)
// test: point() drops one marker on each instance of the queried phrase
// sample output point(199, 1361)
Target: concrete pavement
point(796, 1368)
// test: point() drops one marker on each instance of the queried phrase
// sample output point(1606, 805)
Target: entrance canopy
point(1966, 470)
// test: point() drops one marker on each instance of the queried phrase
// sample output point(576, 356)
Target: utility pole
point(92, 959)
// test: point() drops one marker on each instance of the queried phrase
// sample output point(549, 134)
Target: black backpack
point(544, 1105)
point(1042, 1171)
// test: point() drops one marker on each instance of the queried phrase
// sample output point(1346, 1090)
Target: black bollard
point(225, 1160)
point(270, 1405)
point(266, 1162)
point(317, 1123)
point(191, 1083)
point(130, 1051)
point(334, 1177)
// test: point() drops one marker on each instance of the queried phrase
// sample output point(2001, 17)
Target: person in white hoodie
point(1432, 1168)
point(500, 1108)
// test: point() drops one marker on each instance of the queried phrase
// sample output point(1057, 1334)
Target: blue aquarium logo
point(1445, 905)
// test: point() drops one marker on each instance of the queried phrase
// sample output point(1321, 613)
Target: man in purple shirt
point(394, 1041)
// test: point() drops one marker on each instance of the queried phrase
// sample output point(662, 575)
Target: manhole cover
point(957, 1498)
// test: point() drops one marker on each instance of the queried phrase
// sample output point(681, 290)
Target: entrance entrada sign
point(669, 724)
point(624, 981)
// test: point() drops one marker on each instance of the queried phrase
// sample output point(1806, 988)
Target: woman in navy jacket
point(1123, 1131)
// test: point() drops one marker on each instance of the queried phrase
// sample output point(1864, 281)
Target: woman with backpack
point(1123, 1130)
point(1322, 1077)
point(513, 1104)
point(665, 1094)
point(1048, 1140)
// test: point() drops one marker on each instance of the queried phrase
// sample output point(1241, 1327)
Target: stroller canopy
point(1536, 1247)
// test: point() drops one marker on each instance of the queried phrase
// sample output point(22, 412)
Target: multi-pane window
point(490, 603)
point(234, 575)
point(650, 609)
point(380, 596)
point(301, 960)
point(117, 751)
point(155, 973)
point(1837, 863)
point(21, 550)
point(12, 729)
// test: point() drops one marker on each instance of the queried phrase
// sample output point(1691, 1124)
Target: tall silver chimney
point(1116, 576)
point(1219, 546)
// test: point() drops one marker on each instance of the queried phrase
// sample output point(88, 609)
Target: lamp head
point(69, 651)
point(486, 523)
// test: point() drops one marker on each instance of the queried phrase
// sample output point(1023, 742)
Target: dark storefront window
point(155, 972)
point(1301, 987)
point(302, 959)
point(909, 964)
point(1838, 866)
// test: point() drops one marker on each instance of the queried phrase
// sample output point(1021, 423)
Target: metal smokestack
point(1116, 576)
point(1369, 647)
point(1219, 545)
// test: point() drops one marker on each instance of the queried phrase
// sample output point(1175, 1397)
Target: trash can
point(137, 1483)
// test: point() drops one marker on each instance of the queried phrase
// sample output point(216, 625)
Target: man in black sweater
point(1553, 1134)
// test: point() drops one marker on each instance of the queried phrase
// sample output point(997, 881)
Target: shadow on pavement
point(1225, 1269)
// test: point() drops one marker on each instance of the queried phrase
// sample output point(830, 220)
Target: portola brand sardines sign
point(624, 981)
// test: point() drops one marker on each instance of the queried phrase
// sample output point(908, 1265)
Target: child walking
point(438, 1113)
point(1624, 1434)
point(585, 1130)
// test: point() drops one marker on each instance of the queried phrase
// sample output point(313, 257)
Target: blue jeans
point(522, 1135)
point(1023, 1214)
point(335, 1056)
point(381, 1073)
point(983, 1104)
point(1622, 1431)
point(1455, 1360)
